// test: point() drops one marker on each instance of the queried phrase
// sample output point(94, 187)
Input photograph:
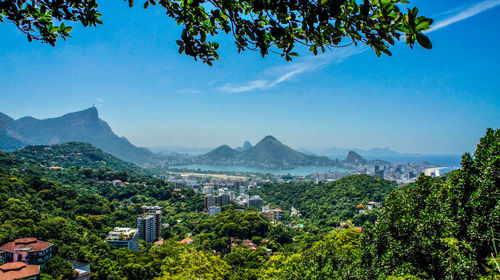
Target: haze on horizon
point(418, 101)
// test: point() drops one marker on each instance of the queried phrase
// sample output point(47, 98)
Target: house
point(19, 270)
point(117, 183)
point(186, 241)
point(29, 250)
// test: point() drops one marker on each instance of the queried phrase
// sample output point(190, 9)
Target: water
point(299, 171)
point(441, 160)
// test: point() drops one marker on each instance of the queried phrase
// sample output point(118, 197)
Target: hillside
point(82, 126)
point(78, 154)
point(268, 153)
point(329, 204)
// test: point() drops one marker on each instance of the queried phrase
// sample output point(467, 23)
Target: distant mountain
point(354, 158)
point(82, 126)
point(245, 146)
point(268, 153)
point(222, 152)
point(375, 152)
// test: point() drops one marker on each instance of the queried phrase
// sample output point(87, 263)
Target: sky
point(437, 101)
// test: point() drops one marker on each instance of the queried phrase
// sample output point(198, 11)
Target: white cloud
point(465, 14)
point(286, 72)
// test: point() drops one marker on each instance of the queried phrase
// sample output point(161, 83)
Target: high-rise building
point(210, 200)
point(378, 172)
point(146, 227)
point(156, 212)
point(224, 199)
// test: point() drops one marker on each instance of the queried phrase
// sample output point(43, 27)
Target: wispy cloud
point(277, 75)
point(465, 14)
point(287, 72)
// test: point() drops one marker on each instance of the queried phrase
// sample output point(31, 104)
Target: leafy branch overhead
point(277, 26)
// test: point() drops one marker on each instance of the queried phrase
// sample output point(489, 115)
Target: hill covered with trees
point(436, 228)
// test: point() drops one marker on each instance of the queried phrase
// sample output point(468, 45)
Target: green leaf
point(424, 41)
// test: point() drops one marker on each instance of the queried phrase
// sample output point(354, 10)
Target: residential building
point(156, 212)
point(124, 238)
point(146, 227)
point(28, 250)
point(255, 201)
point(19, 270)
point(224, 199)
point(210, 200)
point(214, 210)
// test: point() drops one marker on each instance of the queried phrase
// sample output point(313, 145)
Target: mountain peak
point(90, 112)
point(269, 138)
point(354, 158)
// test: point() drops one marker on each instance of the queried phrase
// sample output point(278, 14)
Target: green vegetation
point(437, 228)
point(327, 205)
point(264, 26)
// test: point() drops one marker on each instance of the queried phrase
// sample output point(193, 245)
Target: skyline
point(142, 88)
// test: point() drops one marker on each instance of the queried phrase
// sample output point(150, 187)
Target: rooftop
point(18, 270)
point(120, 233)
point(29, 244)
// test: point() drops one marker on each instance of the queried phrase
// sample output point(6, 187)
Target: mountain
point(354, 158)
point(268, 153)
point(222, 152)
point(245, 146)
point(340, 152)
point(82, 126)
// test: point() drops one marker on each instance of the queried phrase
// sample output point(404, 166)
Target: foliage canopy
point(261, 25)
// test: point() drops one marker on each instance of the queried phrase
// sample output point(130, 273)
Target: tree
point(58, 268)
point(266, 26)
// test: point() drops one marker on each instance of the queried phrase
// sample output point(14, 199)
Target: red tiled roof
point(186, 241)
point(29, 244)
point(18, 270)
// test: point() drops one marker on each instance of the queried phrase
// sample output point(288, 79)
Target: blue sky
point(417, 101)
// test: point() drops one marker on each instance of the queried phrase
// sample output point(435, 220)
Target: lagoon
point(299, 171)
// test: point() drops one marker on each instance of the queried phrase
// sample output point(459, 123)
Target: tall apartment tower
point(155, 211)
point(146, 227)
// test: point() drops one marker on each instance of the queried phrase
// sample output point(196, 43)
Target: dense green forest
point(327, 205)
point(436, 228)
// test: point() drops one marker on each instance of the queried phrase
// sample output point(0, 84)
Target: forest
point(437, 228)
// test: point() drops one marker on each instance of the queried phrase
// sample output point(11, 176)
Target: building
point(28, 250)
point(214, 210)
point(255, 201)
point(223, 199)
point(156, 212)
point(124, 238)
point(210, 200)
point(378, 172)
point(19, 270)
point(146, 227)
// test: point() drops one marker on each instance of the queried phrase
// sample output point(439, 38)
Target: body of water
point(299, 171)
